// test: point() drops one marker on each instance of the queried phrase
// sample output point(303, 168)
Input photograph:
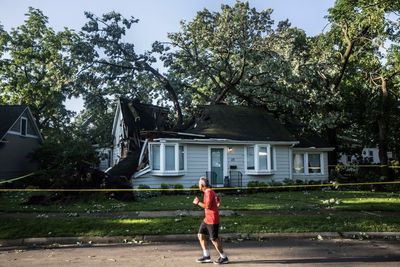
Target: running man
point(210, 225)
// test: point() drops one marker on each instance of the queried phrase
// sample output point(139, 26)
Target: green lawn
point(299, 200)
point(300, 211)
point(42, 227)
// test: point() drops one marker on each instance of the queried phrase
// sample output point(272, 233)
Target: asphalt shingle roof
point(239, 123)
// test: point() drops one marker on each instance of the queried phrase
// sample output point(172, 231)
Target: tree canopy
point(341, 82)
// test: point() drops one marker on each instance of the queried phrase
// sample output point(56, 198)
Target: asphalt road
point(294, 252)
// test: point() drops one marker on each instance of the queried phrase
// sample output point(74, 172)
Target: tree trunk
point(332, 139)
point(383, 127)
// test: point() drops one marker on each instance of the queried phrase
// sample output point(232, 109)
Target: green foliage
point(143, 193)
point(60, 158)
point(36, 69)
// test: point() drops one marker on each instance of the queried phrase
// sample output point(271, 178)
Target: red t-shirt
point(211, 201)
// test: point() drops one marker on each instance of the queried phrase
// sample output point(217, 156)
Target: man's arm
point(197, 202)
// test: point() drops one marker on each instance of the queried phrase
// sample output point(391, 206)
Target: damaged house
point(231, 145)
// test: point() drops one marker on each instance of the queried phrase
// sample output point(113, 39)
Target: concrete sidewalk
point(141, 239)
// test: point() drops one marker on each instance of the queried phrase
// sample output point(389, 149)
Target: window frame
point(177, 171)
point(305, 163)
point(24, 121)
point(257, 170)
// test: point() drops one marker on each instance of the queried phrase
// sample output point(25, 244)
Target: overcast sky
point(157, 17)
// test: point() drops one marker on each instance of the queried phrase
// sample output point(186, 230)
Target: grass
point(342, 212)
point(298, 200)
point(41, 227)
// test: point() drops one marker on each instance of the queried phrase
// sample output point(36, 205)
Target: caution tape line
point(365, 166)
point(193, 189)
point(17, 178)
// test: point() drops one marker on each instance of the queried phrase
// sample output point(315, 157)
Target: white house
point(231, 145)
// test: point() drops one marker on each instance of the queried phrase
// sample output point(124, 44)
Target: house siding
point(116, 150)
point(197, 164)
point(196, 167)
point(14, 160)
point(30, 129)
point(282, 168)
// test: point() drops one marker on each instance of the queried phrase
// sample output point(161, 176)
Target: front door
point(217, 165)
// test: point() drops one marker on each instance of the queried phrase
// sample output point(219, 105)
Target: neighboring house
point(231, 145)
point(359, 154)
point(369, 155)
point(19, 136)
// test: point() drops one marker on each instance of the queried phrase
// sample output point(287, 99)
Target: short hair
point(203, 181)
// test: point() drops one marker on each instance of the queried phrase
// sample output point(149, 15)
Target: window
point(167, 158)
point(307, 163)
point(181, 158)
point(314, 163)
point(263, 158)
point(250, 157)
point(258, 159)
point(24, 123)
point(298, 163)
point(156, 157)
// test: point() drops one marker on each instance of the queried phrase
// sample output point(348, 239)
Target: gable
point(10, 121)
point(8, 117)
point(30, 129)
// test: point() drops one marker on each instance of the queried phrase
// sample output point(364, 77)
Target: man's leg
point(202, 236)
point(203, 241)
point(218, 245)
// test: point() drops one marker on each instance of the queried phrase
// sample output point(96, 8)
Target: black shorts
point(209, 230)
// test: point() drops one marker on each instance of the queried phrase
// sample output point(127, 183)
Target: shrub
point(253, 184)
point(145, 194)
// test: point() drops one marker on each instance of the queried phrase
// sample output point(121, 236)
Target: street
point(277, 252)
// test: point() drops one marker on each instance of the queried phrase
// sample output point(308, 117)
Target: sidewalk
point(232, 237)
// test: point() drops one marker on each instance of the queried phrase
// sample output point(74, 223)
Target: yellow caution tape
point(365, 166)
point(17, 178)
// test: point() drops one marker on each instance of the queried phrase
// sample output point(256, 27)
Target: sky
point(156, 17)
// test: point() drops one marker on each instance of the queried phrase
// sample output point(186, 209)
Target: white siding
point(197, 165)
point(197, 157)
point(282, 169)
point(116, 151)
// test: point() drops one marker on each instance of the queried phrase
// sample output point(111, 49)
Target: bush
point(253, 184)
point(144, 193)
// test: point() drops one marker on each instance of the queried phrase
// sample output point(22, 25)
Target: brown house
point(19, 136)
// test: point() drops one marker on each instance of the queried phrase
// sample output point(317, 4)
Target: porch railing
point(235, 179)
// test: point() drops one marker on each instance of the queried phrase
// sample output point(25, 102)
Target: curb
point(142, 239)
